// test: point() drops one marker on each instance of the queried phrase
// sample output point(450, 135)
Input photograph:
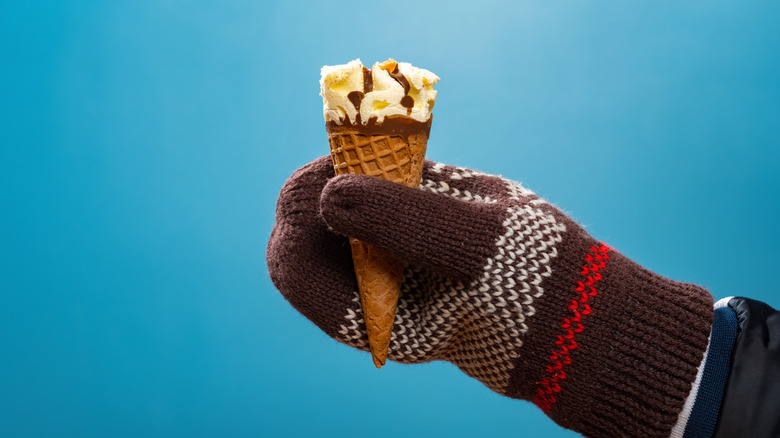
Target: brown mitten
point(504, 285)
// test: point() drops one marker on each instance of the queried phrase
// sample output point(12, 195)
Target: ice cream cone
point(398, 158)
point(378, 122)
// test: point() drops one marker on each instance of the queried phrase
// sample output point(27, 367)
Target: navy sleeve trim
point(704, 414)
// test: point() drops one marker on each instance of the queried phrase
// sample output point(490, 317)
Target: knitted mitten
point(502, 284)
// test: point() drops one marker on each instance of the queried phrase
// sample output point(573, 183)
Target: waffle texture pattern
point(392, 158)
point(502, 284)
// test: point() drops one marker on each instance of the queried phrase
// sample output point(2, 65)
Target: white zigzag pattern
point(478, 326)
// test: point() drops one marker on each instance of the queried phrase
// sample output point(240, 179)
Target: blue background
point(144, 143)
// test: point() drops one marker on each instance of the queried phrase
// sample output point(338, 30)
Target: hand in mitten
point(502, 284)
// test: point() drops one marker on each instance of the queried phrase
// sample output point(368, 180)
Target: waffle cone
point(397, 157)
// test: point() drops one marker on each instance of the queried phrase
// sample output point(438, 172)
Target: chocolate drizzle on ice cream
point(398, 76)
point(368, 80)
point(407, 101)
point(357, 96)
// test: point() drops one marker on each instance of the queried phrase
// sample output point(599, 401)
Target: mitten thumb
point(448, 235)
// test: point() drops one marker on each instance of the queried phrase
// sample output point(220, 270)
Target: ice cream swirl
point(353, 94)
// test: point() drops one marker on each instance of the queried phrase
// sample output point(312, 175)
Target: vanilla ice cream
point(353, 94)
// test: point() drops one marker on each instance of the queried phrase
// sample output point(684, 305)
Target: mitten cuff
point(625, 348)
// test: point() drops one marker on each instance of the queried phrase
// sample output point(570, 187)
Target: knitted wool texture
point(502, 284)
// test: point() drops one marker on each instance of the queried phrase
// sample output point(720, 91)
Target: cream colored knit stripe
point(490, 312)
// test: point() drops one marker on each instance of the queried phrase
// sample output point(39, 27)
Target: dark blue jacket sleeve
point(751, 401)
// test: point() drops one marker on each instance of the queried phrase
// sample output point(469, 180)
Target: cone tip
point(377, 361)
